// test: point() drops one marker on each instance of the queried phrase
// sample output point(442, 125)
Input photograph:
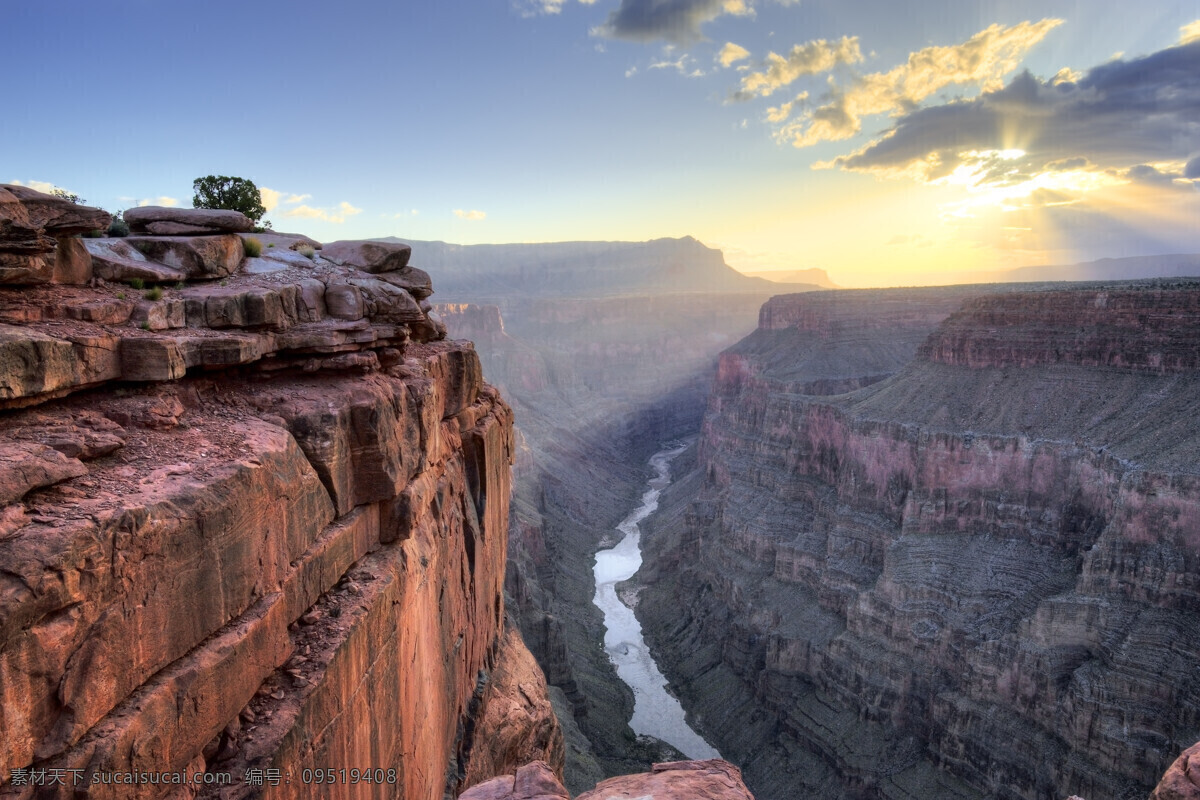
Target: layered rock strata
point(253, 533)
point(974, 578)
point(676, 780)
point(36, 237)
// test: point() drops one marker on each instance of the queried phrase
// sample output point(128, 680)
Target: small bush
point(253, 247)
point(137, 283)
point(146, 325)
point(120, 295)
point(154, 294)
point(272, 244)
point(97, 234)
point(307, 251)
point(180, 285)
point(118, 228)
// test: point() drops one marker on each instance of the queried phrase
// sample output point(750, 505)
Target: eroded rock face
point(36, 244)
point(974, 578)
point(277, 543)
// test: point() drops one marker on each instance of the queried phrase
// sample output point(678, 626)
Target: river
point(655, 711)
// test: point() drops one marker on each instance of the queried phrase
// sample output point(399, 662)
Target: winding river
point(655, 711)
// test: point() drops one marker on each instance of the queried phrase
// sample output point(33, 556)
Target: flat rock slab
point(283, 241)
point(187, 221)
point(118, 260)
point(677, 780)
point(25, 466)
point(533, 781)
point(195, 256)
point(368, 256)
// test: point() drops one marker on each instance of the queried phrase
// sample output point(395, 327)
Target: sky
point(890, 143)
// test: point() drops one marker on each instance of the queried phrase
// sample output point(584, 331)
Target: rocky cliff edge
point(253, 517)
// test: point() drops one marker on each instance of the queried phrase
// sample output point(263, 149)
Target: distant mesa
point(813, 275)
point(1177, 265)
point(557, 269)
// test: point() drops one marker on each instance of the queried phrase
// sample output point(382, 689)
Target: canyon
point(259, 519)
point(599, 372)
point(942, 543)
point(254, 512)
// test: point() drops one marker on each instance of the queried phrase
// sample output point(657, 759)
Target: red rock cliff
point(254, 527)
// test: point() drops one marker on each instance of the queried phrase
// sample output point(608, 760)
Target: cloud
point(337, 214)
point(682, 65)
point(782, 112)
point(530, 8)
point(983, 60)
point(730, 53)
point(269, 197)
point(1066, 75)
point(1116, 117)
point(1190, 33)
point(676, 21)
point(811, 58)
point(473, 214)
point(162, 200)
point(45, 187)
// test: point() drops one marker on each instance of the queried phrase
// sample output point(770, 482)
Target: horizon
point(884, 145)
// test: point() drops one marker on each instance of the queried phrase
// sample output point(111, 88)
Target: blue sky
point(886, 142)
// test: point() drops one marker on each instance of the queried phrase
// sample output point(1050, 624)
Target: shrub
point(180, 285)
point(120, 295)
point(253, 247)
point(146, 325)
point(235, 194)
point(154, 294)
point(307, 251)
point(137, 283)
point(118, 227)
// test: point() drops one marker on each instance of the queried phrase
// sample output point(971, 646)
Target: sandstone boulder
point(72, 262)
point(415, 281)
point(25, 466)
point(534, 781)
point(195, 256)
point(163, 221)
point(677, 780)
point(1182, 779)
point(344, 301)
point(368, 256)
point(117, 260)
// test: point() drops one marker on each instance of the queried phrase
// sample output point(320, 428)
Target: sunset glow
point(882, 144)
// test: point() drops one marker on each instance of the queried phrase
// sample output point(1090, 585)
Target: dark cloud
point(1119, 115)
point(1192, 170)
point(676, 21)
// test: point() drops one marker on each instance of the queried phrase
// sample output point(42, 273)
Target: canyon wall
point(975, 577)
point(253, 524)
point(601, 364)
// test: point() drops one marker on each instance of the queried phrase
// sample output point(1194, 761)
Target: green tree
point(235, 194)
point(63, 194)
